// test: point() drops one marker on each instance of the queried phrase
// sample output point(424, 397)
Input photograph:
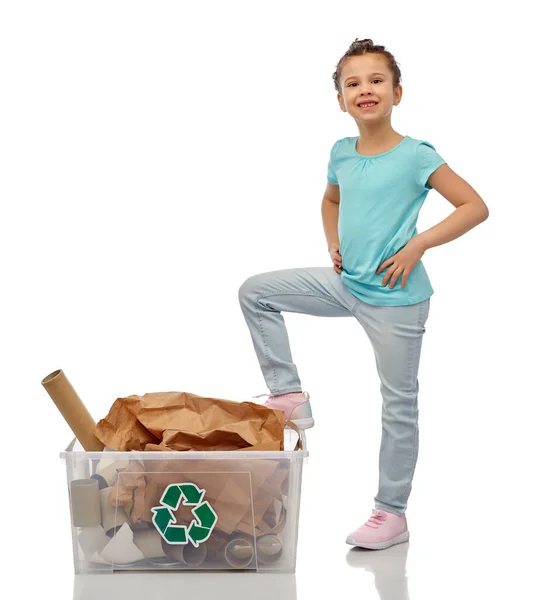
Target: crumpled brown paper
point(183, 421)
point(246, 495)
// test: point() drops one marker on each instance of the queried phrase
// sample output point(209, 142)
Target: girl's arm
point(330, 207)
point(470, 209)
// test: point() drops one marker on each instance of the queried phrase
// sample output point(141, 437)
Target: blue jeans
point(395, 333)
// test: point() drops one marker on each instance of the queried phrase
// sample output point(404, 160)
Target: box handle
point(300, 443)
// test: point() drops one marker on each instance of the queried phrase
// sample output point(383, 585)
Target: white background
point(156, 154)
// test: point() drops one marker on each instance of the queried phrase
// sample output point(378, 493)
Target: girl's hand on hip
point(403, 262)
point(334, 251)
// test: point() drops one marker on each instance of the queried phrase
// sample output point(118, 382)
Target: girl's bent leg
point(316, 291)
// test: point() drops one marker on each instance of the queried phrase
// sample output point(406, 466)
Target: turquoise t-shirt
point(380, 199)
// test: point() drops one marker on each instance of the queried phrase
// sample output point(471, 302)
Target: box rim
point(186, 455)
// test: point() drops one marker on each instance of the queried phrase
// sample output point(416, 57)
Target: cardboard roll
point(239, 552)
point(269, 548)
point(72, 409)
point(85, 503)
point(186, 553)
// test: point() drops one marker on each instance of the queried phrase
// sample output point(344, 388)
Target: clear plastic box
point(220, 510)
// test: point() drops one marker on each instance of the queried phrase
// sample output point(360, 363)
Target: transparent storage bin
point(213, 510)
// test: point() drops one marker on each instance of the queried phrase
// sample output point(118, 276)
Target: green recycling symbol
point(200, 528)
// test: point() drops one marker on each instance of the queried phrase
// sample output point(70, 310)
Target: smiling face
point(367, 78)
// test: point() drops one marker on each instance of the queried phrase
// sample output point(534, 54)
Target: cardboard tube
point(85, 502)
point(238, 553)
point(187, 553)
point(174, 552)
point(72, 409)
point(194, 557)
point(269, 548)
point(149, 542)
point(112, 516)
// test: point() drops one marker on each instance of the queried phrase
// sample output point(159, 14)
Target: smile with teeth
point(367, 104)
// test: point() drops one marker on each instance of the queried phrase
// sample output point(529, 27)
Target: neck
point(374, 135)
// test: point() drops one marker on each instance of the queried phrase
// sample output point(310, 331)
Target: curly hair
point(359, 47)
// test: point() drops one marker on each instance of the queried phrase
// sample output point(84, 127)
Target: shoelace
point(376, 519)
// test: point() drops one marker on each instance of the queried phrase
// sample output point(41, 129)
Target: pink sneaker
point(295, 405)
point(382, 530)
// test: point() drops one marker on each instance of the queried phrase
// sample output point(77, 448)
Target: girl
point(376, 185)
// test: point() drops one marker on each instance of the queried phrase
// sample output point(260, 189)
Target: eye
point(379, 80)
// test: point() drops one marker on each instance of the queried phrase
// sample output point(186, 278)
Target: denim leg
point(317, 291)
point(396, 334)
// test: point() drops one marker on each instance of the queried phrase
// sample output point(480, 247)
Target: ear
point(398, 94)
point(341, 103)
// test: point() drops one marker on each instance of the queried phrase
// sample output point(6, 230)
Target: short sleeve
point(427, 161)
point(331, 169)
